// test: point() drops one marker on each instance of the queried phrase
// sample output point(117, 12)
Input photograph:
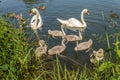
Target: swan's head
point(90, 41)
point(41, 42)
point(75, 49)
point(64, 40)
point(49, 31)
point(86, 11)
point(33, 11)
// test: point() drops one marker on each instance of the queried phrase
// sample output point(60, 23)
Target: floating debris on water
point(113, 15)
point(42, 7)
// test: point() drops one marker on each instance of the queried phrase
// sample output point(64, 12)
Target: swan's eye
point(88, 11)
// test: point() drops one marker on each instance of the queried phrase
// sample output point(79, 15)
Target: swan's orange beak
point(30, 12)
point(88, 13)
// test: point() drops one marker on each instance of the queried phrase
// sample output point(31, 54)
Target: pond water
point(65, 9)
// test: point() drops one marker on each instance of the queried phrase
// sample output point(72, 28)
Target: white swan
point(36, 21)
point(55, 33)
point(57, 49)
point(83, 45)
point(73, 23)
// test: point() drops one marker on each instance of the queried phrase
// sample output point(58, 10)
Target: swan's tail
point(62, 21)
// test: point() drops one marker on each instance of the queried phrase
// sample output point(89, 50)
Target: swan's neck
point(80, 35)
point(82, 19)
point(63, 31)
point(76, 43)
point(63, 44)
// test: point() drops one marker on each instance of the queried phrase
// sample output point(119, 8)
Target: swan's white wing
point(36, 22)
point(72, 24)
point(75, 23)
point(64, 22)
point(39, 23)
point(33, 22)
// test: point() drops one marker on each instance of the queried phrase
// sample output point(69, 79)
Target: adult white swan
point(73, 23)
point(36, 21)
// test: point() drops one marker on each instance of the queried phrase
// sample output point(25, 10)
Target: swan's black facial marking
point(34, 13)
point(88, 11)
point(30, 12)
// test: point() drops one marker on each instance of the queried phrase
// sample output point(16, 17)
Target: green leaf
point(4, 67)
point(13, 69)
point(114, 77)
point(118, 53)
point(105, 66)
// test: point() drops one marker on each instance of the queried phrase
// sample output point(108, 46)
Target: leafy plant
point(14, 52)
